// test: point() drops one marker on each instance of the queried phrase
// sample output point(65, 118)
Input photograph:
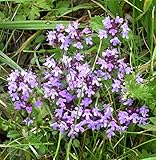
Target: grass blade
point(32, 25)
point(5, 59)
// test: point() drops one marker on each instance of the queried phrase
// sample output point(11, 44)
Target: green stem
point(97, 55)
point(58, 145)
point(68, 149)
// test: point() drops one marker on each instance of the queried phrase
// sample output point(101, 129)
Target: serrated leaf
point(34, 13)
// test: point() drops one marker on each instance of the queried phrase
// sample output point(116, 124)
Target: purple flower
point(102, 34)
point(118, 20)
point(51, 36)
point(110, 133)
point(61, 37)
point(79, 57)
point(50, 62)
point(89, 41)
point(135, 118)
point(144, 111)
point(107, 23)
point(128, 70)
point(86, 31)
point(128, 102)
point(79, 128)
point(28, 121)
point(125, 30)
point(38, 103)
point(13, 76)
point(21, 88)
point(93, 124)
point(61, 102)
point(107, 111)
point(123, 117)
point(55, 125)
point(63, 127)
point(115, 41)
point(72, 30)
point(102, 62)
point(28, 109)
point(113, 32)
point(59, 112)
point(60, 27)
point(65, 44)
point(56, 71)
point(107, 76)
point(90, 91)
point(86, 102)
point(87, 114)
point(78, 45)
point(96, 112)
point(18, 105)
point(66, 60)
point(139, 80)
point(116, 85)
point(14, 96)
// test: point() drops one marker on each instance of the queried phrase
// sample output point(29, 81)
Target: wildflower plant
point(75, 85)
point(83, 91)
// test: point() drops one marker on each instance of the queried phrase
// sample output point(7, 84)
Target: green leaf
point(153, 120)
point(150, 158)
point(147, 4)
point(137, 91)
point(33, 60)
point(42, 149)
point(31, 25)
point(114, 7)
point(76, 143)
point(149, 127)
point(39, 38)
point(5, 59)
point(34, 13)
point(96, 23)
point(44, 4)
point(13, 134)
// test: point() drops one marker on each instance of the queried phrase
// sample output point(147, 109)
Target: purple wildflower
point(38, 103)
point(115, 41)
point(86, 102)
point(102, 34)
point(28, 121)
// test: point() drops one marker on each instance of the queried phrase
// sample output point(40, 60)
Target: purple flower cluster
point(66, 83)
point(72, 75)
point(139, 115)
point(72, 80)
point(113, 28)
point(69, 36)
point(75, 88)
point(20, 86)
point(115, 68)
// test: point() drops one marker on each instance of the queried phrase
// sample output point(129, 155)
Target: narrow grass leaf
point(32, 25)
point(5, 59)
